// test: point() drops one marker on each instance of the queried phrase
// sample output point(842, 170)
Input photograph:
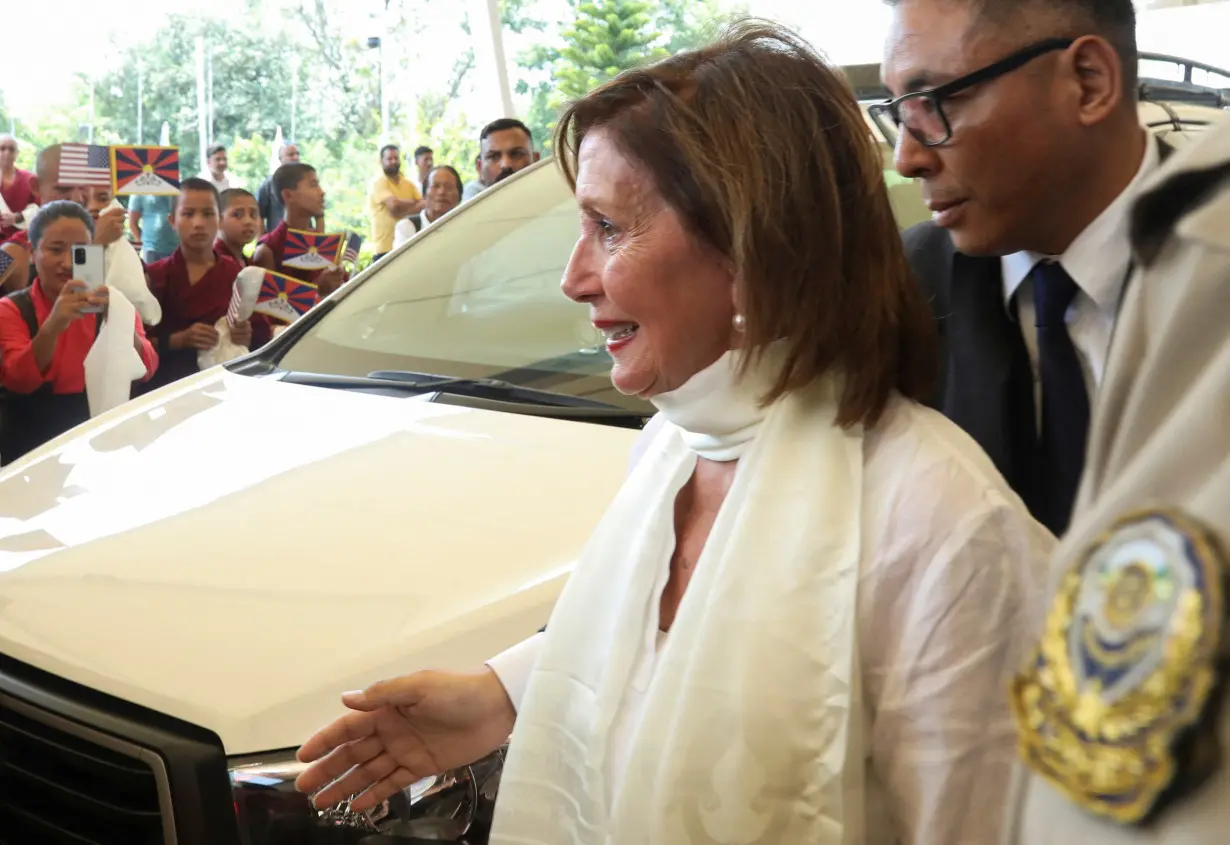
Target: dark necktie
point(1065, 400)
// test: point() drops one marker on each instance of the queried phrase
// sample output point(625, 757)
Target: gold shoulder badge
point(1125, 665)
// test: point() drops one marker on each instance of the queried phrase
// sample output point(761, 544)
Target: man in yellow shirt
point(390, 198)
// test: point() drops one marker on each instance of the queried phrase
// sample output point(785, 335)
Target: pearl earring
point(739, 322)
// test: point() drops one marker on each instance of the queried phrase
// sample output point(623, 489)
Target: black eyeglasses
point(922, 112)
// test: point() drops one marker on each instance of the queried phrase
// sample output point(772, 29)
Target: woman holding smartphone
point(46, 331)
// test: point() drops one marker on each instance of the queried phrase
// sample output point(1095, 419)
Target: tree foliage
point(607, 37)
point(279, 47)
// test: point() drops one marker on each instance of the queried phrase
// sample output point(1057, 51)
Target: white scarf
point(752, 729)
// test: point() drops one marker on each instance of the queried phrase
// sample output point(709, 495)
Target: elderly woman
point(441, 194)
point(798, 619)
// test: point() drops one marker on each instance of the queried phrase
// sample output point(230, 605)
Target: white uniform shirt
point(952, 585)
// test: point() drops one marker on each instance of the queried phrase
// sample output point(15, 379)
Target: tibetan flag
point(153, 171)
point(311, 250)
point(283, 298)
point(85, 165)
point(351, 252)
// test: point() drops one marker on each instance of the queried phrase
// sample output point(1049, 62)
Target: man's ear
point(1098, 73)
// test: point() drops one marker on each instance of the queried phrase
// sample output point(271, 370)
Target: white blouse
point(952, 585)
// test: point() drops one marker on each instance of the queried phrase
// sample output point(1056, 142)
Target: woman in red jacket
point(46, 331)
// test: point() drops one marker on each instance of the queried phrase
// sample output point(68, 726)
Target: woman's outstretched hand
point(404, 730)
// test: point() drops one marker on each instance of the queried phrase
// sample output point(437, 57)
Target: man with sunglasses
point(1019, 117)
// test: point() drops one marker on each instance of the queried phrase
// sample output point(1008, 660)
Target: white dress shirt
point(404, 230)
point(953, 571)
point(1099, 261)
point(223, 184)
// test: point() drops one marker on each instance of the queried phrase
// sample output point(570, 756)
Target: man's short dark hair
point(504, 124)
point(57, 210)
point(228, 197)
point(422, 151)
point(388, 147)
point(215, 149)
point(450, 169)
point(197, 184)
point(1114, 20)
point(288, 176)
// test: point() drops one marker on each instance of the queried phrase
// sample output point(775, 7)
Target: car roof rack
point(1197, 83)
point(1191, 86)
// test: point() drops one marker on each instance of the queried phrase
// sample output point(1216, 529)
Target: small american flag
point(85, 165)
point(232, 311)
point(6, 262)
point(351, 252)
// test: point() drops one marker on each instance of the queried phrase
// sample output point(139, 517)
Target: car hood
point(237, 551)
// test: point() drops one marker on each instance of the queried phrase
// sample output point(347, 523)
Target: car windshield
point(475, 295)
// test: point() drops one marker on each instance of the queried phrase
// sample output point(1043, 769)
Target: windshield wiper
point(488, 387)
point(491, 394)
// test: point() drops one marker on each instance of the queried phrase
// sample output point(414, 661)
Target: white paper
point(126, 274)
point(246, 289)
point(113, 364)
point(225, 349)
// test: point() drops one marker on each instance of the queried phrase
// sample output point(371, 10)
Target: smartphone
point(88, 267)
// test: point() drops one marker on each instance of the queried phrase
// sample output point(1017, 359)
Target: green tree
point(689, 24)
point(252, 89)
point(607, 37)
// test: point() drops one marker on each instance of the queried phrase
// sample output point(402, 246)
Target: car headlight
point(270, 811)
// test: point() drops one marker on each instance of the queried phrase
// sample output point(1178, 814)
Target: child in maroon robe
point(304, 201)
point(194, 287)
point(241, 221)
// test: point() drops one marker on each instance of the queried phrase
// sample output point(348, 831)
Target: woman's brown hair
point(760, 146)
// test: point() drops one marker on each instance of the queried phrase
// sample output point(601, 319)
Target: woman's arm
point(947, 627)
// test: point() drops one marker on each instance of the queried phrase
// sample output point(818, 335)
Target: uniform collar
point(1099, 258)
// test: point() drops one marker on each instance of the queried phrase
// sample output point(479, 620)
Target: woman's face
point(53, 257)
point(443, 192)
point(664, 300)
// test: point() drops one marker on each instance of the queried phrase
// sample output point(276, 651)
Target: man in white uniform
point(1122, 717)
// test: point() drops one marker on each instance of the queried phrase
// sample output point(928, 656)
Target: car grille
point(61, 782)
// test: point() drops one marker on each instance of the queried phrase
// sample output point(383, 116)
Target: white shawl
point(752, 729)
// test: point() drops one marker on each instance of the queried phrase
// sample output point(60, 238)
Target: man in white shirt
point(215, 171)
point(1020, 119)
point(442, 187)
point(1122, 715)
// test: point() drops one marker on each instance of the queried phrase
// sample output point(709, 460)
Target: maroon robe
point(18, 194)
point(184, 304)
point(223, 251)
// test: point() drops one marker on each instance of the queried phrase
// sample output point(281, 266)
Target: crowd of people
point(192, 248)
point(817, 610)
